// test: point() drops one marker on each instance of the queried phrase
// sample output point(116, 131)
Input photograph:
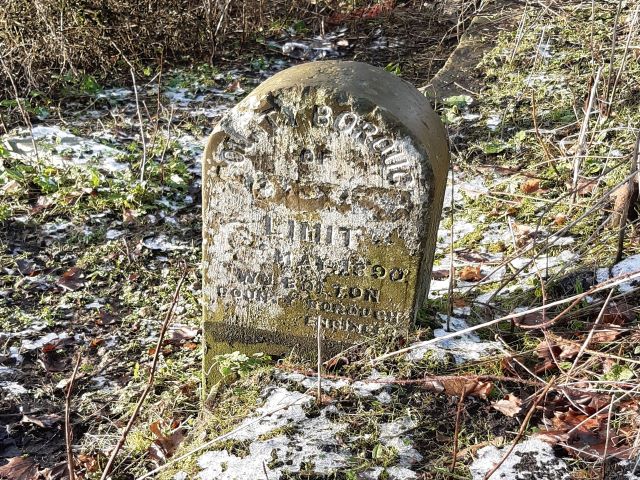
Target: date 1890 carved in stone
point(322, 194)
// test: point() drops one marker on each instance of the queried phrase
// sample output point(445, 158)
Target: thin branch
point(68, 431)
point(627, 204)
point(582, 137)
point(154, 364)
point(576, 298)
point(457, 431)
point(319, 366)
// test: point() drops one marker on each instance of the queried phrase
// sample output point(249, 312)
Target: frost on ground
point(530, 460)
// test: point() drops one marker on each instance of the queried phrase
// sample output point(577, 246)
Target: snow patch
point(463, 348)
point(62, 149)
point(314, 442)
point(530, 459)
point(627, 266)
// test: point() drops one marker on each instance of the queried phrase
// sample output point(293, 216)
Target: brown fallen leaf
point(233, 86)
point(88, 462)
point(470, 274)
point(585, 186)
point(180, 333)
point(43, 421)
point(509, 406)
point(57, 472)
point(19, 468)
point(164, 446)
point(72, 279)
point(52, 362)
point(440, 274)
point(531, 185)
point(560, 219)
point(552, 352)
point(456, 386)
point(531, 320)
point(618, 313)
point(605, 335)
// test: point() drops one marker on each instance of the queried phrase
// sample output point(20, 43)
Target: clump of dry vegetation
point(45, 43)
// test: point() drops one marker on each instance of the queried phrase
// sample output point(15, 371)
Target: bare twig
point(587, 341)
point(574, 299)
point(627, 201)
point(144, 142)
point(68, 432)
point(457, 431)
point(582, 137)
point(611, 95)
point(138, 111)
point(319, 365)
point(145, 393)
point(614, 41)
point(452, 271)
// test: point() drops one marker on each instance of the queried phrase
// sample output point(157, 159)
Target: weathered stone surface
point(322, 191)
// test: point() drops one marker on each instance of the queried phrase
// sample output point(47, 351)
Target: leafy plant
point(239, 363)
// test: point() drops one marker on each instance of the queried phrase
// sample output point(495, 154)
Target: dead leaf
point(470, 274)
point(72, 279)
point(52, 362)
point(531, 320)
point(440, 274)
point(509, 406)
point(233, 86)
point(88, 462)
point(57, 472)
point(164, 446)
point(531, 185)
point(19, 468)
point(105, 318)
point(456, 386)
point(336, 362)
point(42, 203)
point(618, 313)
point(555, 352)
point(560, 219)
point(605, 335)
point(43, 421)
point(180, 333)
point(26, 267)
point(585, 186)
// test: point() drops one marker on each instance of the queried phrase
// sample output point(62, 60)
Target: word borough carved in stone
point(322, 195)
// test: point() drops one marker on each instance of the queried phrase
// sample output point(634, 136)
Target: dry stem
point(154, 364)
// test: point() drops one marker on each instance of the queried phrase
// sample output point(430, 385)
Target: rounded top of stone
point(360, 81)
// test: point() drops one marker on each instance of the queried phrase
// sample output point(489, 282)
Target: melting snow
point(314, 442)
point(530, 459)
point(41, 342)
point(627, 266)
point(61, 149)
point(465, 347)
point(13, 388)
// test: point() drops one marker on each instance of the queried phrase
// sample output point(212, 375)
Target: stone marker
point(322, 193)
